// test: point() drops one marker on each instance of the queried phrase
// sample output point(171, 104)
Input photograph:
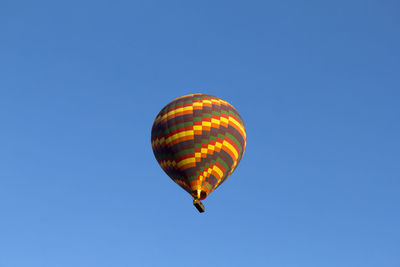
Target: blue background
point(316, 82)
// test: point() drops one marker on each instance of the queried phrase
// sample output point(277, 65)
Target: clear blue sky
point(316, 82)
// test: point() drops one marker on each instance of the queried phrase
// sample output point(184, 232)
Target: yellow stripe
point(206, 123)
point(224, 102)
point(179, 135)
point(197, 104)
point(174, 111)
point(225, 120)
point(215, 121)
point(188, 108)
point(234, 121)
point(231, 148)
point(218, 170)
point(164, 117)
point(215, 101)
point(186, 161)
point(157, 119)
point(218, 144)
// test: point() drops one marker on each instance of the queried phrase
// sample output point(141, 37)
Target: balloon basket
point(199, 206)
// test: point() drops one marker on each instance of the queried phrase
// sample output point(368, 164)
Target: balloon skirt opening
point(199, 206)
point(199, 194)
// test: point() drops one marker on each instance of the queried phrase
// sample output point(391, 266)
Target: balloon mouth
point(199, 194)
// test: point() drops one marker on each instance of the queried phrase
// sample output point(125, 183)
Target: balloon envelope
point(198, 140)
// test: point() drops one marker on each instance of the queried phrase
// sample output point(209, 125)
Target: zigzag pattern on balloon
point(198, 140)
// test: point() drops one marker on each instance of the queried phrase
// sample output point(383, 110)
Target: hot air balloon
point(198, 140)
